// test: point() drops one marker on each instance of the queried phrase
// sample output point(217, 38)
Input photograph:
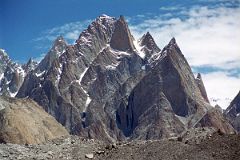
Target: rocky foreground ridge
point(200, 143)
point(110, 86)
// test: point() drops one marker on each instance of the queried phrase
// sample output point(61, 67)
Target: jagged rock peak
point(172, 44)
point(58, 48)
point(201, 87)
point(3, 53)
point(4, 56)
point(98, 30)
point(30, 65)
point(199, 76)
point(121, 18)
point(122, 38)
point(172, 41)
point(60, 41)
point(173, 48)
point(30, 62)
point(148, 41)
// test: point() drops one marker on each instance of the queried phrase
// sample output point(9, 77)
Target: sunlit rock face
point(112, 87)
point(23, 121)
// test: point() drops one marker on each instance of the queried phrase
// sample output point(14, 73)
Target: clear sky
point(207, 31)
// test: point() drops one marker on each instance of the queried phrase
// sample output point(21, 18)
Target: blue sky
point(207, 31)
point(23, 22)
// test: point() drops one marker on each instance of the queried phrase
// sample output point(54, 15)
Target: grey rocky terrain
point(196, 144)
point(117, 97)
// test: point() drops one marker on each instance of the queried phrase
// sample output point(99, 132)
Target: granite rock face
point(202, 87)
point(148, 46)
point(111, 87)
point(121, 38)
point(232, 113)
point(12, 74)
point(22, 121)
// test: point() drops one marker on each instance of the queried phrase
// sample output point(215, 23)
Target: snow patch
point(59, 73)
point(82, 75)
point(2, 106)
point(8, 82)
point(21, 71)
point(40, 74)
point(4, 52)
point(184, 120)
point(139, 49)
point(105, 16)
point(88, 101)
point(112, 66)
point(10, 93)
point(13, 94)
point(119, 53)
point(1, 76)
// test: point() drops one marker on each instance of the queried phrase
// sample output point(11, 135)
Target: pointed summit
point(3, 53)
point(201, 87)
point(122, 39)
point(59, 42)
point(30, 65)
point(30, 61)
point(4, 56)
point(172, 41)
point(199, 76)
point(148, 44)
point(58, 48)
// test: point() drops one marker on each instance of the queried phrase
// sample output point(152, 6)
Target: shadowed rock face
point(22, 121)
point(104, 87)
point(232, 113)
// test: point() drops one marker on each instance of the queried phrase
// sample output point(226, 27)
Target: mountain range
point(110, 86)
